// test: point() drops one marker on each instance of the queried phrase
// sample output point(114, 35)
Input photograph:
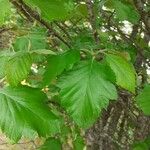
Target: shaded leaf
point(57, 64)
point(143, 100)
point(35, 39)
point(52, 10)
point(4, 10)
point(3, 61)
point(18, 67)
point(142, 144)
point(51, 144)
point(43, 52)
point(79, 143)
point(124, 11)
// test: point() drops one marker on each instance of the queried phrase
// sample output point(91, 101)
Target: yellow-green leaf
point(18, 67)
point(124, 71)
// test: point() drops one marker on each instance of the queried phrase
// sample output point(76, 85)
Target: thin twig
point(92, 19)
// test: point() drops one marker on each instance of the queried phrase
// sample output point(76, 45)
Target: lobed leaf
point(85, 91)
point(23, 108)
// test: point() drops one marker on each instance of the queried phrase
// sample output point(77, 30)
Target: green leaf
point(43, 52)
point(4, 58)
point(35, 39)
point(51, 144)
point(142, 144)
point(24, 107)
point(124, 71)
point(85, 91)
point(18, 67)
point(52, 9)
point(124, 11)
point(4, 10)
point(21, 44)
point(84, 41)
point(79, 143)
point(81, 10)
point(57, 64)
point(143, 100)
point(3, 61)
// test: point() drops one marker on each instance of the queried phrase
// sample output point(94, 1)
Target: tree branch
point(33, 15)
point(63, 29)
point(92, 19)
point(144, 15)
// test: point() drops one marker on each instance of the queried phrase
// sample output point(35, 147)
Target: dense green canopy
point(69, 62)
